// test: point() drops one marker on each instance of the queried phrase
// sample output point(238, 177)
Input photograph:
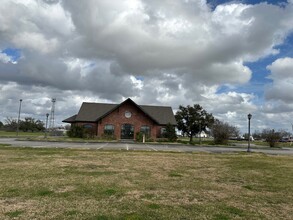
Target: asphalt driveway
point(143, 147)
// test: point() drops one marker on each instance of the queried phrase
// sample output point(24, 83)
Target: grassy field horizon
point(90, 184)
point(40, 136)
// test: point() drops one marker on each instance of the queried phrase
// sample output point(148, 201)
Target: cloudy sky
point(231, 57)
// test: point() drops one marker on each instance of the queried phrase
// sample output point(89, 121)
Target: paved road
point(134, 146)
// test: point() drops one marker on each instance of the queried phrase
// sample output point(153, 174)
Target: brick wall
point(94, 125)
point(137, 119)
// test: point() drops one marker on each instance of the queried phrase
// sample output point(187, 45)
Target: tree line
point(27, 125)
point(191, 121)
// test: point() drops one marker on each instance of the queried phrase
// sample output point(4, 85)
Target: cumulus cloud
point(281, 75)
point(156, 52)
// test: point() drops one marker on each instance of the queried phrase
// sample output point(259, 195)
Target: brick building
point(124, 120)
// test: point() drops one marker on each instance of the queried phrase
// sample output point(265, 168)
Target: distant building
point(201, 134)
point(124, 120)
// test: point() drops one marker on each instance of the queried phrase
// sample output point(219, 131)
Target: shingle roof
point(70, 119)
point(91, 112)
point(162, 114)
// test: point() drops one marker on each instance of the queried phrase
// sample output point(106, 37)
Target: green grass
point(21, 134)
point(90, 184)
point(14, 214)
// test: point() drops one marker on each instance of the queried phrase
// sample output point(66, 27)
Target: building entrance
point(127, 131)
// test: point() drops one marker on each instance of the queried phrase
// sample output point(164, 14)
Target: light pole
point(47, 115)
point(17, 129)
point(249, 116)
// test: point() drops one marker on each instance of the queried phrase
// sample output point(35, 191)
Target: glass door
point(127, 131)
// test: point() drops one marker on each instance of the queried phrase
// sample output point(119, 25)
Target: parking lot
point(142, 147)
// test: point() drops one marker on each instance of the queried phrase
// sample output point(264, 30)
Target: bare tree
point(271, 136)
point(222, 131)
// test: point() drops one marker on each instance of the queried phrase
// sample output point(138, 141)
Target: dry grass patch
point(89, 184)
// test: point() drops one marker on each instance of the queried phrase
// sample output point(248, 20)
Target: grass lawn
point(20, 134)
point(91, 184)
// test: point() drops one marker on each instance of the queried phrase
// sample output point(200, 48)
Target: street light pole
point(249, 116)
point(17, 129)
point(47, 115)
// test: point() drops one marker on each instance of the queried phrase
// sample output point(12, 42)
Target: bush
point(139, 137)
point(89, 133)
point(170, 133)
point(108, 137)
point(222, 131)
point(76, 131)
point(271, 137)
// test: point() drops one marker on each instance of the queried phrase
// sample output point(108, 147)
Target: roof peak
point(92, 112)
point(128, 99)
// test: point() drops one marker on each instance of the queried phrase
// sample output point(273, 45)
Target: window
point(146, 130)
point(109, 129)
point(89, 130)
point(88, 126)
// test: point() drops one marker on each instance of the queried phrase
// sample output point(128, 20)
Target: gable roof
point(92, 112)
point(162, 114)
point(70, 119)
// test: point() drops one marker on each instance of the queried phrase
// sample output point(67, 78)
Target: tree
point(257, 135)
point(271, 136)
point(31, 124)
point(223, 131)
point(28, 124)
point(170, 133)
point(10, 124)
point(193, 119)
point(1, 125)
point(284, 134)
point(76, 131)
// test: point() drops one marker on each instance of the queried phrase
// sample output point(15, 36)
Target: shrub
point(170, 133)
point(222, 131)
point(139, 137)
point(271, 137)
point(108, 137)
point(89, 132)
point(76, 131)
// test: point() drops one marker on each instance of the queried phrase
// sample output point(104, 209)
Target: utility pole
point(17, 129)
